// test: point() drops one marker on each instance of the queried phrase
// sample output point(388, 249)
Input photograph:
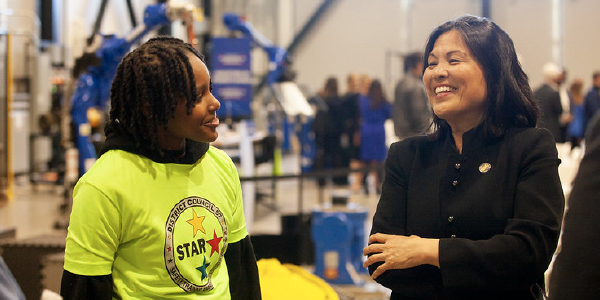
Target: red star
point(214, 243)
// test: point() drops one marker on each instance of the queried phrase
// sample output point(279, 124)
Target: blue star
point(202, 269)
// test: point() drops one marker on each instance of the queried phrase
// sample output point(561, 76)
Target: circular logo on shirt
point(195, 241)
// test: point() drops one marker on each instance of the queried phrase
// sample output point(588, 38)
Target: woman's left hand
point(400, 252)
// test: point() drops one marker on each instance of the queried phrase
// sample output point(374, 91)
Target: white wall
point(356, 34)
point(582, 39)
point(529, 23)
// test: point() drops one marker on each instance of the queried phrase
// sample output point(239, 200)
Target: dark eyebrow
point(449, 53)
point(200, 89)
point(456, 52)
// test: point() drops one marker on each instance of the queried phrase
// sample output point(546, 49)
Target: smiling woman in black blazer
point(473, 209)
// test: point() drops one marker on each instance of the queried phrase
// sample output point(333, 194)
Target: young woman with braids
point(159, 215)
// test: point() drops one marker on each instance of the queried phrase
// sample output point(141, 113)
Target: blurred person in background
point(9, 288)
point(328, 128)
point(552, 114)
point(357, 178)
point(350, 116)
point(411, 113)
point(576, 129)
point(591, 103)
point(374, 111)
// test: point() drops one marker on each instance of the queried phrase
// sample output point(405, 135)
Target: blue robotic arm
point(278, 57)
point(279, 78)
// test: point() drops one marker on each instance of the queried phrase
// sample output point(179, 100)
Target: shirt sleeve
point(93, 234)
point(243, 271)
point(86, 287)
point(522, 253)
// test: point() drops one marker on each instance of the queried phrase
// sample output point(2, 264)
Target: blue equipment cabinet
point(339, 236)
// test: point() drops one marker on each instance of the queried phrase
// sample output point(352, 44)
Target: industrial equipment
point(280, 75)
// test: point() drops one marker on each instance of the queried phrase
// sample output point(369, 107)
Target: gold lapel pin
point(484, 167)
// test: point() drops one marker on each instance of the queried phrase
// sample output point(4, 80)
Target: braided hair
point(149, 83)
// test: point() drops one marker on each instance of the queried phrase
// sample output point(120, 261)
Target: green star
point(202, 269)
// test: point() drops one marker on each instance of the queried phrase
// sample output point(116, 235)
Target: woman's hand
point(400, 252)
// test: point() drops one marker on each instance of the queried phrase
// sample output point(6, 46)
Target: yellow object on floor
point(286, 281)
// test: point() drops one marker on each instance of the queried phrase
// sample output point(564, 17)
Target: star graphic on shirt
point(196, 222)
point(202, 269)
point(214, 243)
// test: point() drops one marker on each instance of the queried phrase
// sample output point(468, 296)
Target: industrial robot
point(279, 79)
point(279, 61)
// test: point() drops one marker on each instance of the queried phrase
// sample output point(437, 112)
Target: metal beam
point(299, 38)
point(486, 9)
point(309, 25)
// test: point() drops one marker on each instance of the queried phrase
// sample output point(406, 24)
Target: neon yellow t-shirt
point(161, 230)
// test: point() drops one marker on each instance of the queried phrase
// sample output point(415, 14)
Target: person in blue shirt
point(374, 111)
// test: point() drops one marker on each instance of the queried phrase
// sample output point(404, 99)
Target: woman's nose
point(440, 71)
point(215, 104)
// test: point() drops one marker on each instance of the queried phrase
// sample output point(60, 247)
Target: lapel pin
point(484, 167)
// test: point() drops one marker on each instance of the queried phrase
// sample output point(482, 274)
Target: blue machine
point(339, 237)
point(278, 78)
point(93, 86)
point(279, 61)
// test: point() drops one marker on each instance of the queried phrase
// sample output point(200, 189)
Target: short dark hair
point(596, 74)
point(149, 83)
point(510, 101)
point(331, 87)
point(412, 60)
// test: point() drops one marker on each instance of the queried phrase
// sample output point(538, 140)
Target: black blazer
point(576, 271)
point(496, 209)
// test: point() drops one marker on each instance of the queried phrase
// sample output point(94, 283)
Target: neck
point(457, 133)
point(167, 142)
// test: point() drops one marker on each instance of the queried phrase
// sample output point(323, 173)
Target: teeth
point(442, 89)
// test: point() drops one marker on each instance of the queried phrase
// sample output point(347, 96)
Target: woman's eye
point(431, 64)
